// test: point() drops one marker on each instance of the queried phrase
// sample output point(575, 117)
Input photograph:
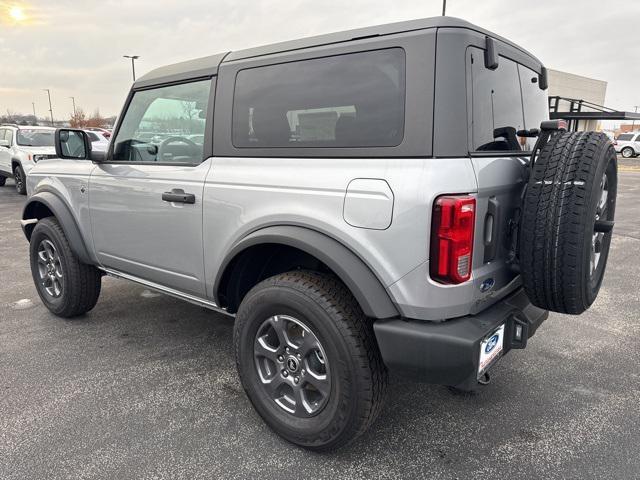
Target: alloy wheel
point(292, 366)
point(598, 237)
point(50, 269)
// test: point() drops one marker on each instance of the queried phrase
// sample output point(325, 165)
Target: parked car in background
point(99, 142)
point(106, 133)
point(20, 149)
point(628, 144)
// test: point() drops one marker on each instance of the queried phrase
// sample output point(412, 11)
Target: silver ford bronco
point(393, 198)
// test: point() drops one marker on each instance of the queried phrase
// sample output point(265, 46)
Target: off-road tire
point(82, 282)
point(559, 213)
point(3, 180)
point(20, 179)
point(358, 375)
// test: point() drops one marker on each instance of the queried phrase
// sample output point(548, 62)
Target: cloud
point(75, 48)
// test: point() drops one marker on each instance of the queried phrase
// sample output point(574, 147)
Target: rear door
point(502, 101)
point(146, 200)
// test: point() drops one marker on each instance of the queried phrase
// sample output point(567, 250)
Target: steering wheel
point(195, 149)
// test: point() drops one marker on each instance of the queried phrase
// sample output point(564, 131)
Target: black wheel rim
point(292, 366)
point(50, 269)
point(17, 176)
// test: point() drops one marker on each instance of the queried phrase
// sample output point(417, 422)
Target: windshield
point(35, 138)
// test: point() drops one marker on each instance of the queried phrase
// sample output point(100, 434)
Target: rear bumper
point(448, 352)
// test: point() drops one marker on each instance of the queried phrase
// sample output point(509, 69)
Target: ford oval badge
point(487, 285)
point(491, 344)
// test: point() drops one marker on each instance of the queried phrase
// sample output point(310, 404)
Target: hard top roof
point(207, 66)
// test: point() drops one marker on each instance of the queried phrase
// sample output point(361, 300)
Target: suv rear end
point(447, 315)
point(628, 144)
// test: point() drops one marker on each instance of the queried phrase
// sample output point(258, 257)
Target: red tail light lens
point(452, 228)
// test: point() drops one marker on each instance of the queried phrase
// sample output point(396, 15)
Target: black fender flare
point(63, 214)
point(367, 289)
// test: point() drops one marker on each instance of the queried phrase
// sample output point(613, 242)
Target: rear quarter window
point(625, 137)
point(351, 100)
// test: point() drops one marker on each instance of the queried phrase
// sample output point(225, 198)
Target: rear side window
point(625, 137)
point(353, 100)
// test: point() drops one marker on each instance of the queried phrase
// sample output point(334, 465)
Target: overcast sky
point(75, 47)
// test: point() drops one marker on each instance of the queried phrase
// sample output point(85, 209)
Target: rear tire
point(355, 378)
point(573, 184)
point(66, 286)
point(20, 179)
point(627, 152)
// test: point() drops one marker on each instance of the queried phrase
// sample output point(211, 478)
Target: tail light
point(452, 229)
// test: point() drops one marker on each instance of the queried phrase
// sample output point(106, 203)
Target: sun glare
point(17, 14)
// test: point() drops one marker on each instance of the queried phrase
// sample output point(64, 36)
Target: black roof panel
point(206, 66)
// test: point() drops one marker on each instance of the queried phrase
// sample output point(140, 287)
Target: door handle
point(177, 195)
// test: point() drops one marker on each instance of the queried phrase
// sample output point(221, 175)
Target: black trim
point(368, 290)
point(448, 353)
point(64, 216)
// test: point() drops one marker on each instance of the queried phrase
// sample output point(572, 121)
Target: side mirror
point(73, 144)
point(4, 143)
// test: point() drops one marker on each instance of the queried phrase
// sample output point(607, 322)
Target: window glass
point(160, 124)
point(354, 100)
point(535, 102)
point(496, 106)
point(35, 137)
point(625, 137)
point(2, 133)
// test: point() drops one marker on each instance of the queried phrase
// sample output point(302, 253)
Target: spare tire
point(568, 211)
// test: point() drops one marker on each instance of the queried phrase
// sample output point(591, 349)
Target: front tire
point(3, 180)
point(66, 286)
point(308, 360)
point(20, 179)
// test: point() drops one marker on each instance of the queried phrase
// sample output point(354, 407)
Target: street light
point(50, 109)
point(133, 65)
point(73, 99)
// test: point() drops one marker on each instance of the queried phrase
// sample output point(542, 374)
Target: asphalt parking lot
point(144, 386)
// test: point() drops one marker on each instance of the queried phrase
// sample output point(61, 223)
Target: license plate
point(491, 349)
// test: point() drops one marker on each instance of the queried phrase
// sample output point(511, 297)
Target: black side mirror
point(72, 143)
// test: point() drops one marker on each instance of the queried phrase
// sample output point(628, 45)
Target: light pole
point(73, 99)
point(50, 108)
point(633, 123)
point(133, 64)
point(444, 7)
point(34, 110)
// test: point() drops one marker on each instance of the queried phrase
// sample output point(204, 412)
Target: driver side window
point(164, 125)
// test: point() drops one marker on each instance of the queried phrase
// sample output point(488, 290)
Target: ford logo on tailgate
point(491, 344)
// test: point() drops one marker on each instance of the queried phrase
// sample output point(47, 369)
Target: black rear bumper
point(448, 352)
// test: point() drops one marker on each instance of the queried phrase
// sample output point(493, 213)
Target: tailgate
point(500, 184)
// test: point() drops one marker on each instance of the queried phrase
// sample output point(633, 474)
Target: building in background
point(571, 86)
